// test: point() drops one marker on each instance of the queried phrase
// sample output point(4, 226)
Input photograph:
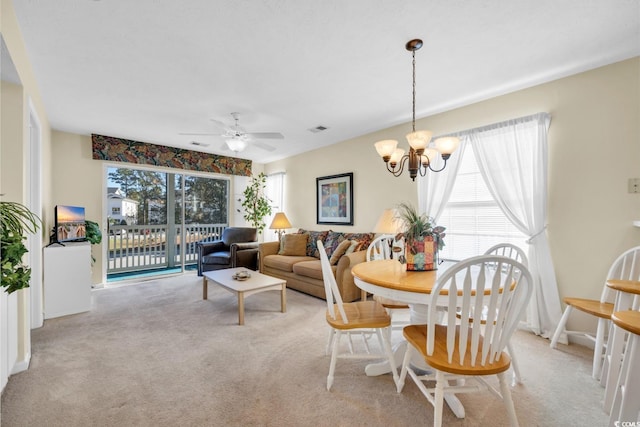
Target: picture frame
point(334, 199)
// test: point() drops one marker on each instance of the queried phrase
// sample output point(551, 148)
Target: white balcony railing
point(146, 247)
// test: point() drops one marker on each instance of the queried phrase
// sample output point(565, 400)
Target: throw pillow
point(364, 238)
point(352, 247)
point(333, 240)
point(312, 245)
point(295, 244)
point(340, 250)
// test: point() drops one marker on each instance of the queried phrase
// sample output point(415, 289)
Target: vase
point(422, 255)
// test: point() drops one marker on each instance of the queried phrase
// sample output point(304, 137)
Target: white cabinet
point(67, 279)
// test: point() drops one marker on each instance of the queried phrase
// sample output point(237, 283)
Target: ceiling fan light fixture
point(236, 144)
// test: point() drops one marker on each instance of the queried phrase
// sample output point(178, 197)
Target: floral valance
point(125, 150)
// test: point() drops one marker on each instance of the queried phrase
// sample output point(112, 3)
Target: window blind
point(473, 219)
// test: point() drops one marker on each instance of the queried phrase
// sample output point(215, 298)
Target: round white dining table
point(390, 279)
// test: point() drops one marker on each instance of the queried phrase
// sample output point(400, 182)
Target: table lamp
point(279, 223)
point(388, 223)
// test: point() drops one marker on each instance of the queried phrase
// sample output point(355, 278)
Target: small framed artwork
point(334, 198)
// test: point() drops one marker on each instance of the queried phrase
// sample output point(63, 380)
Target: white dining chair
point(626, 266)
point(382, 248)
point(461, 352)
point(362, 318)
point(514, 252)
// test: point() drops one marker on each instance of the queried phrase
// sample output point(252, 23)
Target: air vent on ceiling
point(199, 144)
point(318, 129)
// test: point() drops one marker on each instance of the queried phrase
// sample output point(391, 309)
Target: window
point(274, 191)
point(115, 211)
point(473, 219)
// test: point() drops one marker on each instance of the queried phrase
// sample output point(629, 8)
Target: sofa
point(237, 247)
point(295, 258)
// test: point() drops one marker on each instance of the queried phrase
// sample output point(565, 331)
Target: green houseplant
point(94, 235)
point(255, 203)
point(17, 221)
point(423, 239)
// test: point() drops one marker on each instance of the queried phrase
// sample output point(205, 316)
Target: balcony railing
point(147, 247)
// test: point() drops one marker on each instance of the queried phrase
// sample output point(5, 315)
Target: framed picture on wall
point(334, 199)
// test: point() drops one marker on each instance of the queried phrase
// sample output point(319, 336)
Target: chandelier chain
point(413, 107)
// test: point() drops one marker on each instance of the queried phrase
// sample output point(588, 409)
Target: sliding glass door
point(156, 218)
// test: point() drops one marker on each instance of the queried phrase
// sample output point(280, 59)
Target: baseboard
point(21, 365)
point(582, 340)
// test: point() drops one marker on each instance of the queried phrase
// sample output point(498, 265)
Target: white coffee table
point(256, 283)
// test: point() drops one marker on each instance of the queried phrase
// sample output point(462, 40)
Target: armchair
point(238, 247)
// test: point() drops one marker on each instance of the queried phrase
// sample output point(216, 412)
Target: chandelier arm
point(441, 169)
point(397, 171)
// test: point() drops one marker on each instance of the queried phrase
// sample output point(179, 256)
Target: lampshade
point(419, 140)
point(396, 156)
point(447, 144)
point(280, 222)
point(385, 148)
point(388, 223)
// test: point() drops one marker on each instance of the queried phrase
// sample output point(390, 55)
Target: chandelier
point(421, 154)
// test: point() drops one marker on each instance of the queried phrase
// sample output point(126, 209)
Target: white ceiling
point(149, 70)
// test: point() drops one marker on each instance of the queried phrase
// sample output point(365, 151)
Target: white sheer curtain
point(512, 157)
point(274, 191)
point(434, 188)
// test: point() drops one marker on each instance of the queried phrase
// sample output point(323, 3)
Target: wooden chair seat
point(628, 320)
point(360, 314)
point(417, 336)
point(596, 308)
point(389, 303)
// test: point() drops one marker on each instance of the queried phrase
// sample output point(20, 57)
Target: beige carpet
point(156, 354)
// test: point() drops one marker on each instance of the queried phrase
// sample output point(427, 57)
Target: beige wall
point(78, 181)
point(13, 151)
point(594, 148)
point(19, 313)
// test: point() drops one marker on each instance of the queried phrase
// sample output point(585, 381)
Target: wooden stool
point(626, 404)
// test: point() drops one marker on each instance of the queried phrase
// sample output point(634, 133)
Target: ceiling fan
point(237, 138)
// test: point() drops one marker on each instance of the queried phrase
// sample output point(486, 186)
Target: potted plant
point(17, 221)
point(423, 239)
point(255, 203)
point(94, 235)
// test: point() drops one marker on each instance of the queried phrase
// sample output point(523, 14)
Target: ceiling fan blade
point(266, 135)
point(220, 124)
point(200, 134)
point(263, 146)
